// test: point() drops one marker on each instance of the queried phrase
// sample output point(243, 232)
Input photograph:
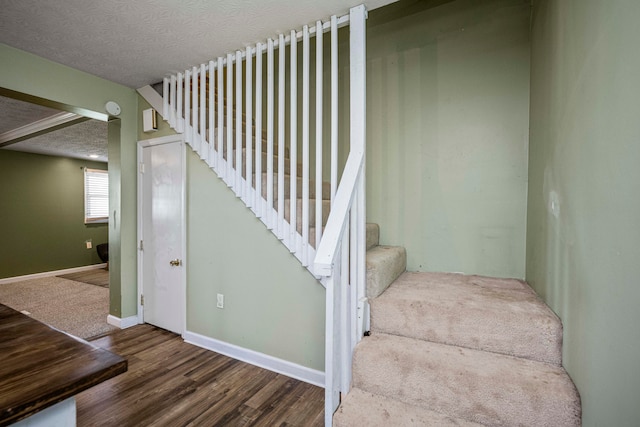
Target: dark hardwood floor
point(171, 383)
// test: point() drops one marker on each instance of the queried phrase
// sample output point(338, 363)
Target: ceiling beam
point(40, 127)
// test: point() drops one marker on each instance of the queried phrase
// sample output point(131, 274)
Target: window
point(96, 196)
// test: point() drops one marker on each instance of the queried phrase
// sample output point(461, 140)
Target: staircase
point(444, 349)
point(455, 350)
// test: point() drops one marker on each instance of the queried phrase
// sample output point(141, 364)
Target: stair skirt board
point(271, 363)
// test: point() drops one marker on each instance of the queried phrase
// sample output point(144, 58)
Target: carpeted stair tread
point(326, 206)
point(487, 388)
point(361, 408)
point(497, 315)
point(384, 265)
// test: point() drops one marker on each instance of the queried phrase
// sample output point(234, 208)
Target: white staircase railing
point(221, 107)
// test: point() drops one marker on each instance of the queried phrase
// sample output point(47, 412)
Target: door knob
point(175, 262)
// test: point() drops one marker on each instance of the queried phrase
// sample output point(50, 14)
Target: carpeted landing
point(77, 308)
point(456, 350)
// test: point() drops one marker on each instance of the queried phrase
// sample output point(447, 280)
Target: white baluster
point(281, 132)
point(213, 159)
point(180, 95)
point(238, 180)
point(249, 129)
point(305, 145)
point(259, 199)
point(334, 107)
point(220, 127)
point(204, 148)
point(229, 172)
point(293, 147)
point(187, 107)
point(194, 110)
point(270, 219)
point(165, 99)
point(319, 52)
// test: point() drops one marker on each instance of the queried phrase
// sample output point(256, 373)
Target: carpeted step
point(372, 231)
point(326, 187)
point(361, 408)
point(373, 235)
point(384, 265)
point(326, 206)
point(483, 387)
point(498, 315)
point(287, 163)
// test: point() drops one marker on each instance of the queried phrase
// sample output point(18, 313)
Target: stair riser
point(287, 164)
point(384, 265)
point(326, 188)
point(373, 235)
point(326, 205)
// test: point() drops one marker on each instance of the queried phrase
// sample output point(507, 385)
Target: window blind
point(96, 196)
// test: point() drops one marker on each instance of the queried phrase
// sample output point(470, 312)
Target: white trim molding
point(123, 323)
point(52, 273)
point(262, 360)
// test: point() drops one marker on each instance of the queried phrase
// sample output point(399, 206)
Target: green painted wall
point(584, 204)
point(272, 304)
point(42, 216)
point(447, 133)
point(66, 88)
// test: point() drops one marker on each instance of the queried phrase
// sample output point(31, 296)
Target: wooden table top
point(41, 366)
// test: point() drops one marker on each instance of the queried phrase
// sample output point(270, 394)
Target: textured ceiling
point(16, 113)
point(138, 42)
point(78, 141)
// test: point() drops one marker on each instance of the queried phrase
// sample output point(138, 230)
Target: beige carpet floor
point(77, 308)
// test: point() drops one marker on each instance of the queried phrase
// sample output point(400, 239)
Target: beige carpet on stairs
point(77, 308)
point(456, 350)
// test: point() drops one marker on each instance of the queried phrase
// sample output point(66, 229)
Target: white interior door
point(162, 235)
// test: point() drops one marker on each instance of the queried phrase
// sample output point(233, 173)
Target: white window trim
point(99, 179)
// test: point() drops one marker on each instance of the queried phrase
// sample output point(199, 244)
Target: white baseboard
point(52, 273)
point(125, 323)
point(262, 360)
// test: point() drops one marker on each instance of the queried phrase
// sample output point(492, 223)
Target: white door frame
point(141, 145)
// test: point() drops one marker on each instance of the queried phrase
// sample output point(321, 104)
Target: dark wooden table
point(41, 366)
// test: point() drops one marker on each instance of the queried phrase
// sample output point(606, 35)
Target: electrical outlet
point(88, 243)
point(220, 302)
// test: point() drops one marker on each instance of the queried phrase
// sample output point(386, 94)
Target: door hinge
point(141, 299)
point(141, 167)
point(141, 245)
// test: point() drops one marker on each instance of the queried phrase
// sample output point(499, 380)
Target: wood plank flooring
point(172, 383)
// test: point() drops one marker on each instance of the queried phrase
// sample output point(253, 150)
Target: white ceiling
point(137, 43)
